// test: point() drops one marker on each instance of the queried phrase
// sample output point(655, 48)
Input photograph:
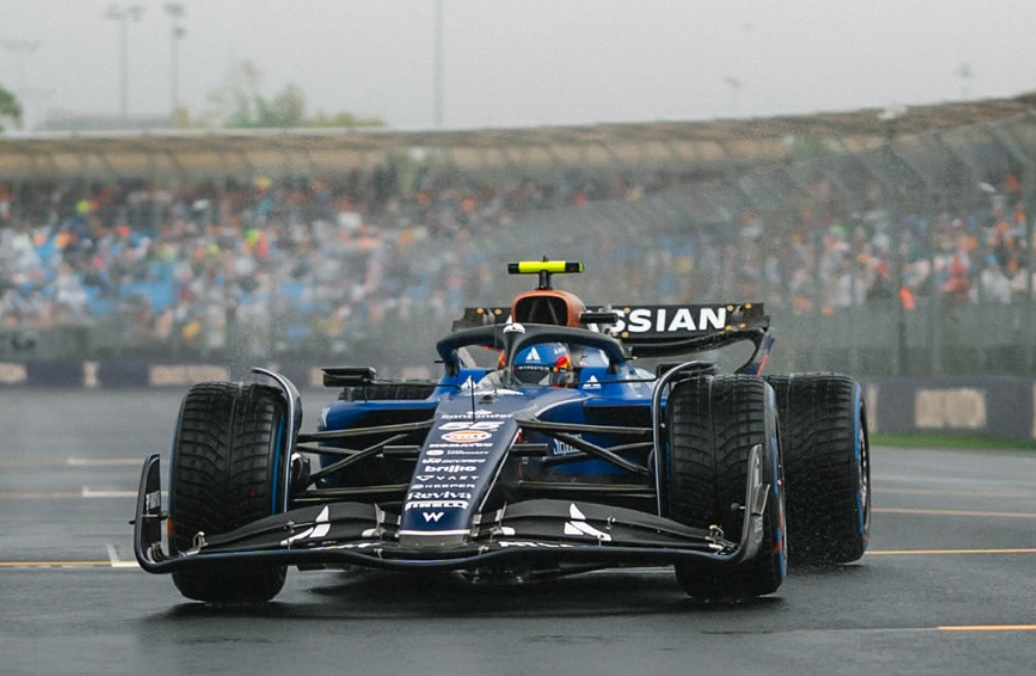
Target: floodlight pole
point(889, 118)
point(176, 11)
point(124, 15)
point(438, 65)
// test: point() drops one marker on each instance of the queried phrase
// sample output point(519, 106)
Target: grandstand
point(312, 243)
point(715, 145)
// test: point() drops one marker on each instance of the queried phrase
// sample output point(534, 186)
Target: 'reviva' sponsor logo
point(670, 319)
point(438, 495)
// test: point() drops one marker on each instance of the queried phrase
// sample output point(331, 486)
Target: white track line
point(74, 462)
point(113, 556)
point(84, 492)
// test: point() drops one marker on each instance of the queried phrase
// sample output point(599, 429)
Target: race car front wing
point(543, 529)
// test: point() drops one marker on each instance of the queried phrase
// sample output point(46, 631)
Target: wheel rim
point(864, 466)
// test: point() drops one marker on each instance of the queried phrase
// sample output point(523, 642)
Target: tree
point(287, 109)
point(238, 104)
point(345, 119)
point(232, 103)
point(10, 109)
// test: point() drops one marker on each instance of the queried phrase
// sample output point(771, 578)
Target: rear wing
point(636, 324)
point(649, 323)
point(656, 330)
point(642, 330)
point(668, 330)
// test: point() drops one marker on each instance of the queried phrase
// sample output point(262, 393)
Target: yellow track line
point(955, 512)
point(947, 552)
point(963, 494)
point(56, 564)
point(989, 627)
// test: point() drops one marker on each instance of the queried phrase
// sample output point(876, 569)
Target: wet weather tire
point(225, 473)
point(827, 466)
point(713, 423)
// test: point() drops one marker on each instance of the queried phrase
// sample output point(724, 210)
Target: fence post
point(1029, 199)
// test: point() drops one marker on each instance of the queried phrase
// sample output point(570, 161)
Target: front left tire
point(227, 471)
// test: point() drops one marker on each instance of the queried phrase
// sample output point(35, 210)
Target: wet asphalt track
point(949, 586)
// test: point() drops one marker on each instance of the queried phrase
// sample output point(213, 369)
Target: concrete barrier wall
point(1000, 407)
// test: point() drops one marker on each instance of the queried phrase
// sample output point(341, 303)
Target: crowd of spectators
point(291, 258)
point(332, 258)
point(829, 260)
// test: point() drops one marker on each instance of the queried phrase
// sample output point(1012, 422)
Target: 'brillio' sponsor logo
point(451, 469)
point(670, 320)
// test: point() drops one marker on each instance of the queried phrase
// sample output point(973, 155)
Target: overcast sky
point(520, 63)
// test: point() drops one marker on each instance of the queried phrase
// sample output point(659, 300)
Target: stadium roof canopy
point(628, 146)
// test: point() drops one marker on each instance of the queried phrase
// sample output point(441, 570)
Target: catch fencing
point(913, 257)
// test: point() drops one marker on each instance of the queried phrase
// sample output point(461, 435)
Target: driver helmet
point(543, 364)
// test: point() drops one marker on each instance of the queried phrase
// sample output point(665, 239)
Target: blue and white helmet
point(538, 364)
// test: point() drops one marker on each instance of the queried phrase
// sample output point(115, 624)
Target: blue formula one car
point(560, 455)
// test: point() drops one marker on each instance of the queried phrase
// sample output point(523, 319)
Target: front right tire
point(713, 424)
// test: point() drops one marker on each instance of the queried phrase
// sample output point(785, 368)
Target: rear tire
point(714, 422)
point(827, 465)
point(226, 471)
